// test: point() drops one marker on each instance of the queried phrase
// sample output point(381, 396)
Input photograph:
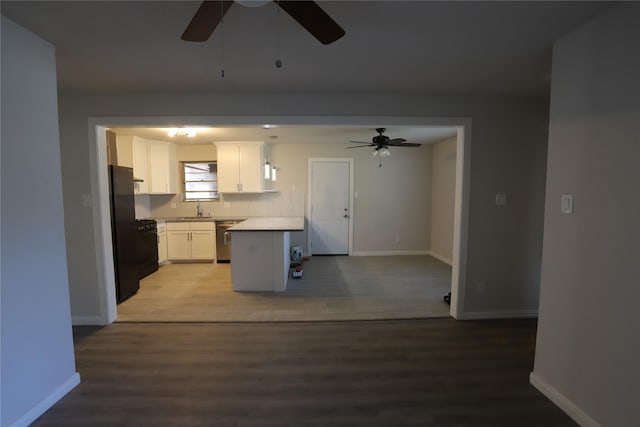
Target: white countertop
point(271, 223)
point(199, 219)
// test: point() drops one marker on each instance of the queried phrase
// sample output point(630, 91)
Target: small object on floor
point(447, 298)
point(297, 273)
point(295, 253)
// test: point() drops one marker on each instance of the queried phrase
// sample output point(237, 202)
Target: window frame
point(185, 192)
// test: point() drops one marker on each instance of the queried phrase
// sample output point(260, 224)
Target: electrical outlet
point(566, 203)
point(174, 205)
point(397, 239)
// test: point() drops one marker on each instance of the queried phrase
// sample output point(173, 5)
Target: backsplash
point(230, 205)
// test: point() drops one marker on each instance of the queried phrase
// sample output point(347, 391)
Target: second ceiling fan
point(307, 13)
point(381, 144)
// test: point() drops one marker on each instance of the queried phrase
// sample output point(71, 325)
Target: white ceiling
point(317, 134)
point(473, 47)
point(395, 47)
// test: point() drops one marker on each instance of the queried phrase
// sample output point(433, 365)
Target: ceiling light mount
point(188, 132)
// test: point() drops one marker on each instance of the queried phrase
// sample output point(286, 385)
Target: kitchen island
point(260, 253)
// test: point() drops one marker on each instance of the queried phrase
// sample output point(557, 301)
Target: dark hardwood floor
point(433, 372)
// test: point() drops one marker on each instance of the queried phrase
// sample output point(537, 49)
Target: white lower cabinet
point(191, 241)
point(162, 243)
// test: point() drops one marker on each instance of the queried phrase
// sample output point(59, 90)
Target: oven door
point(147, 252)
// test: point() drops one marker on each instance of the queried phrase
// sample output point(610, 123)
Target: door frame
point(97, 141)
point(310, 163)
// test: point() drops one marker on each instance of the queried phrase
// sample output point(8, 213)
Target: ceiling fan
point(382, 143)
point(307, 13)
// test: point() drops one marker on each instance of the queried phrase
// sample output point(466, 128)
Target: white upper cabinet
point(240, 167)
point(141, 165)
point(154, 162)
point(162, 167)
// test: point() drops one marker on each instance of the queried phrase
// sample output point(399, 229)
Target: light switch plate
point(501, 199)
point(566, 203)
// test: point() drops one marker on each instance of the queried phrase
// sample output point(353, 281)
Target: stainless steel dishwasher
point(223, 240)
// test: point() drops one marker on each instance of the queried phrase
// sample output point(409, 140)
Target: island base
point(260, 261)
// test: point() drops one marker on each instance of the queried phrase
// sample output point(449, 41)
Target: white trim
point(46, 403)
point(87, 320)
point(310, 162)
point(562, 402)
point(461, 220)
point(108, 309)
point(388, 253)
point(446, 260)
point(486, 315)
point(102, 223)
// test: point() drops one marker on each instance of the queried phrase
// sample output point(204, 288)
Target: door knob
point(346, 216)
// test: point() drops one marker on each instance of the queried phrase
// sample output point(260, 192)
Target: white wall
point(588, 346)
point(443, 199)
point(379, 210)
point(508, 149)
point(37, 350)
point(383, 194)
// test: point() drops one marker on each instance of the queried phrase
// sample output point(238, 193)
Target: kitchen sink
point(195, 218)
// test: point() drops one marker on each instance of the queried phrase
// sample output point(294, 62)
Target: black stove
point(147, 246)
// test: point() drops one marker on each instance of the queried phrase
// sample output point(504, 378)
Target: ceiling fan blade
point(313, 19)
point(361, 146)
point(405, 144)
point(361, 142)
point(205, 20)
point(397, 140)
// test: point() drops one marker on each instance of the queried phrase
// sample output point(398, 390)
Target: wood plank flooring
point(332, 288)
point(428, 373)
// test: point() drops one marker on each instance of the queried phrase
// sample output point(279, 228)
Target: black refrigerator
point(124, 231)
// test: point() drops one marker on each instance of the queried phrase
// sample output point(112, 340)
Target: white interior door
point(330, 206)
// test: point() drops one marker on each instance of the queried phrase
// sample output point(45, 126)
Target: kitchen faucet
point(198, 210)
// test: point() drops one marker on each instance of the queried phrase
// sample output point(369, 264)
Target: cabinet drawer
point(204, 225)
point(178, 226)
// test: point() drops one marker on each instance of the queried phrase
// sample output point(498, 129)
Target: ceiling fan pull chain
point(222, 40)
point(278, 61)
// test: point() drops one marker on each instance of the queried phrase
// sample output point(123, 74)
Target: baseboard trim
point(486, 315)
point(388, 253)
point(48, 401)
point(446, 260)
point(562, 402)
point(86, 320)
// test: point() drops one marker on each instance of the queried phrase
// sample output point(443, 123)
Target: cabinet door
point(162, 246)
point(202, 245)
point(178, 245)
point(159, 167)
point(228, 172)
point(251, 168)
point(141, 165)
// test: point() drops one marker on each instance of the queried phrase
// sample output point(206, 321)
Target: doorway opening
point(108, 309)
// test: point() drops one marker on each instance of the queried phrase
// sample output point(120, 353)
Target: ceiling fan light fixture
point(384, 152)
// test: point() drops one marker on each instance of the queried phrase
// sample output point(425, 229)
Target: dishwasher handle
point(226, 234)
